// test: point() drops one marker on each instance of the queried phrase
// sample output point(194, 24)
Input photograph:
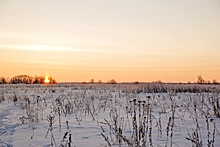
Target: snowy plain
point(108, 115)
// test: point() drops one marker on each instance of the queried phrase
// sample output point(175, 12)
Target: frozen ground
point(90, 113)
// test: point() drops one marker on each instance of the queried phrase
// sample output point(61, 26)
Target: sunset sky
point(125, 40)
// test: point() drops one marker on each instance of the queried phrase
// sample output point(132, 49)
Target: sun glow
point(47, 80)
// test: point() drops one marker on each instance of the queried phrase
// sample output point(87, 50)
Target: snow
point(25, 124)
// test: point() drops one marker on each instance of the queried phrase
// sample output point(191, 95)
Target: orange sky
point(125, 40)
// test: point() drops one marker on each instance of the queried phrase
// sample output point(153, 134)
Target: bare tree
point(112, 81)
point(99, 82)
point(92, 81)
point(3, 80)
point(200, 80)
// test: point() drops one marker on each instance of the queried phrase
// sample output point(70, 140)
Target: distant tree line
point(25, 79)
point(92, 81)
point(200, 80)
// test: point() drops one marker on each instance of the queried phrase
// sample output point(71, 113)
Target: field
point(98, 115)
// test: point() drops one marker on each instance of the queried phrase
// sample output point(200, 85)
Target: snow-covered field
point(107, 115)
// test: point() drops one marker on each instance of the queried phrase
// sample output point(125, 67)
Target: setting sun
point(46, 79)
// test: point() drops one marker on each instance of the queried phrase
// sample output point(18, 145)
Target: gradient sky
point(125, 40)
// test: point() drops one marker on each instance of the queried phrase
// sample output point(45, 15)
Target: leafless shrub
point(2, 98)
point(51, 120)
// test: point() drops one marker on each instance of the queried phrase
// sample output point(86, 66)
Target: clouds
point(37, 47)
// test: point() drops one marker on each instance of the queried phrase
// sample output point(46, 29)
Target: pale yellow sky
point(127, 40)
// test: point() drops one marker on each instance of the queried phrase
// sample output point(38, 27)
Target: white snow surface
point(25, 125)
